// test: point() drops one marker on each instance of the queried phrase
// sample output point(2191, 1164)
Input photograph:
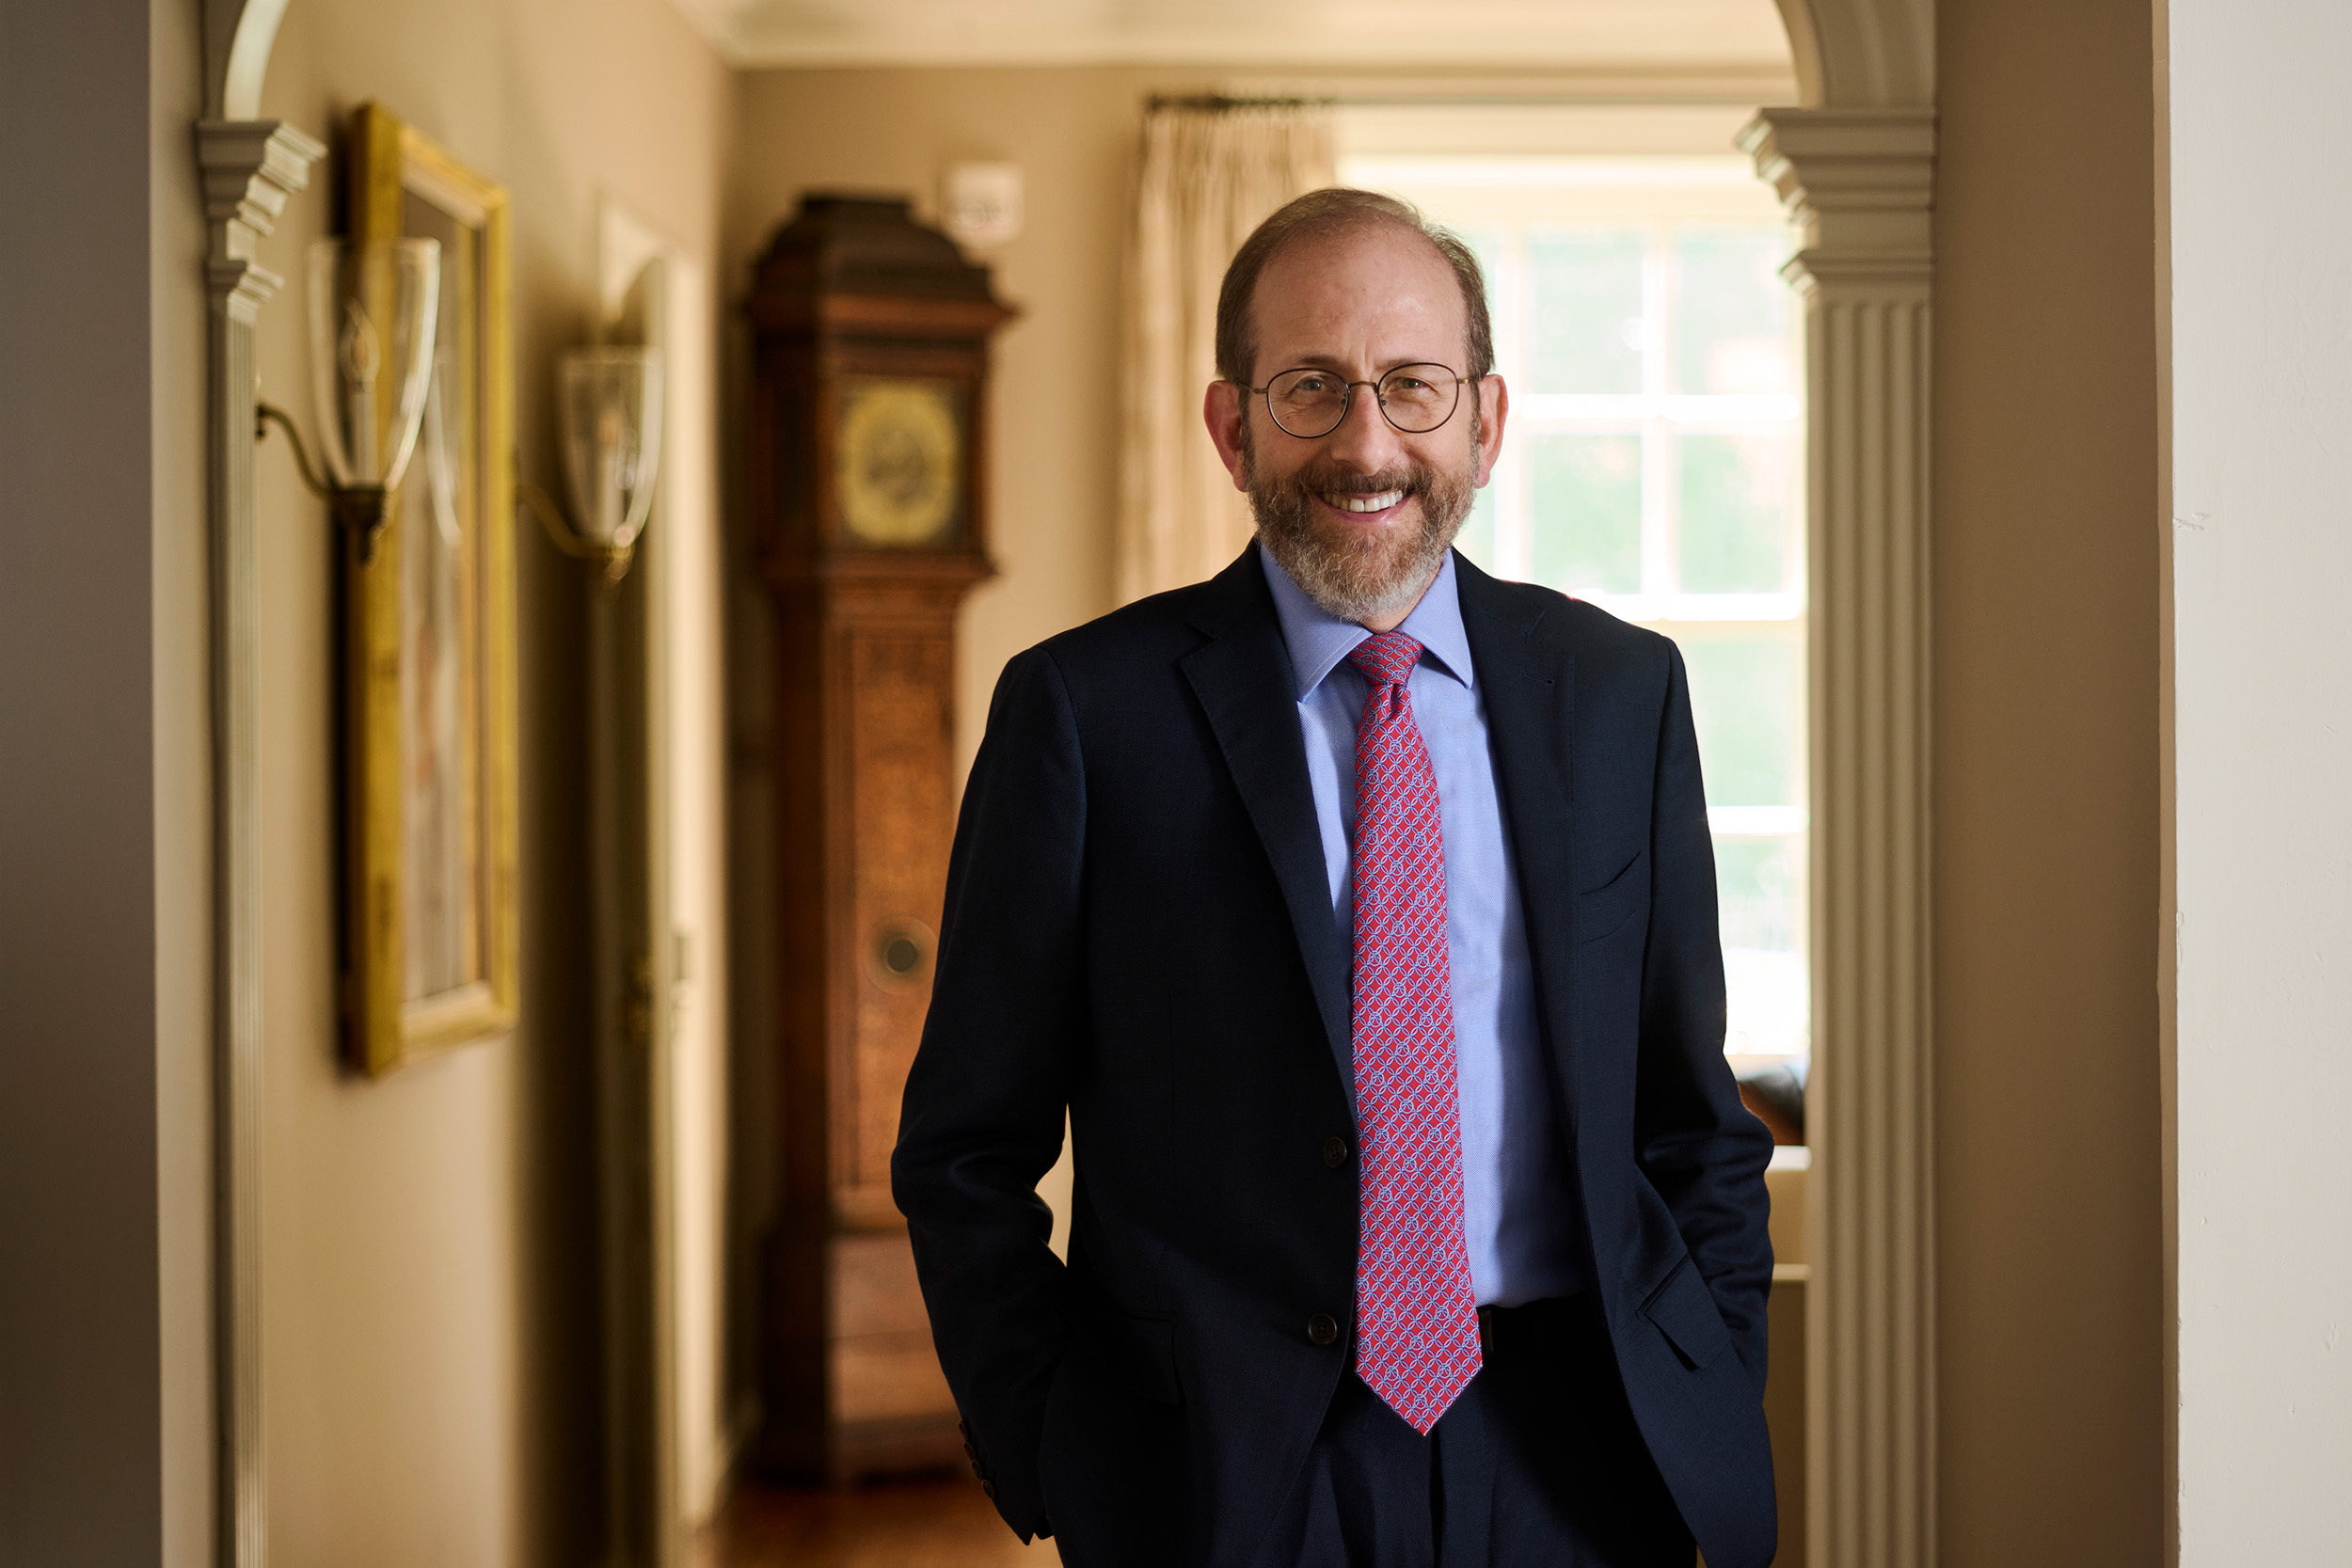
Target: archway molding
point(1862, 53)
point(1854, 165)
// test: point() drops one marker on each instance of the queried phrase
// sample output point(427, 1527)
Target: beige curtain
point(1211, 174)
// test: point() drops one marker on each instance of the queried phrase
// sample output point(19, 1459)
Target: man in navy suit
point(1358, 908)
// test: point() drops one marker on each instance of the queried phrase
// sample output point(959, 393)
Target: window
point(1655, 468)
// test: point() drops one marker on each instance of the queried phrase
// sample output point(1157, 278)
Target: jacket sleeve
point(1695, 1142)
point(983, 1114)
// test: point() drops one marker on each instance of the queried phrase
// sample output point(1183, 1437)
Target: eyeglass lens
point(1417, 399)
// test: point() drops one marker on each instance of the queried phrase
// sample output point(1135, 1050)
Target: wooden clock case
point(852, 288)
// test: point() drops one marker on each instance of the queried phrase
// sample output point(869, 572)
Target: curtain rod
point(1218, 103)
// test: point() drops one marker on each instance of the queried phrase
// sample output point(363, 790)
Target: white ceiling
point(1732, 36)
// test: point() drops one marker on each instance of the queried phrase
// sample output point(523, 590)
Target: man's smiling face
point(1360, 517)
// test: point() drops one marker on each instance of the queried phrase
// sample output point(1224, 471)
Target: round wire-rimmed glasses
point(1311, 402)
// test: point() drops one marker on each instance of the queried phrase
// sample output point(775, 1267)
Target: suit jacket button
point(1335, 1152)
point(1323, 1329)
point(988, 1490)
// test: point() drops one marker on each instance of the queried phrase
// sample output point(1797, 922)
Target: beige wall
point(104, 1103)
point(1073, 132)
point(2259, 387)
point(430, 1314)
point(182, 723)
point(2046, 833)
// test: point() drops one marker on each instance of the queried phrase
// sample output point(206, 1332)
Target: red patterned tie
point(1417, 1317)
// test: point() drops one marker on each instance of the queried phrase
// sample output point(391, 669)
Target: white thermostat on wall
point(982, 203)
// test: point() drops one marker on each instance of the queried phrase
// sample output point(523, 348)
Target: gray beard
point(1352, 577)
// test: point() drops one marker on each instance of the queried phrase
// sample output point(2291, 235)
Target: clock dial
point(899, 460)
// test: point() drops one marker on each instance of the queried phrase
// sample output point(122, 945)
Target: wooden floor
point(931, 1523)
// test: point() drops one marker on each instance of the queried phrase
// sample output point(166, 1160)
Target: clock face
point(899, 460)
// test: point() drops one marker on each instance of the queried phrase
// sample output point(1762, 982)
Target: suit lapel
point(1242, 678)
point(1529, 675)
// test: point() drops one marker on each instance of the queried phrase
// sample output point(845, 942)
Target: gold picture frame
point(431, 935)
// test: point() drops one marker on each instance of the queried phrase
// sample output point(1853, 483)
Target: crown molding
point(1689, 37)
point(1740, 84)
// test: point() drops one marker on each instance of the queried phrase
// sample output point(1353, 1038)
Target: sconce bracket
point(614, 558)
point(360, 510)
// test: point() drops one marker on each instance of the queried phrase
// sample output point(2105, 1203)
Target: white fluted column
point(1860, 183)
point(249, 168)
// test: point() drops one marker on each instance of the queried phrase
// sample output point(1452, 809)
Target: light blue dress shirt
point(1516, 1208)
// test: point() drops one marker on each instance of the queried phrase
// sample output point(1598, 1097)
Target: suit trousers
point(1537, 1465)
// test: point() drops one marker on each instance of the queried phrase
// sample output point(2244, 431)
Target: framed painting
point(431, 931)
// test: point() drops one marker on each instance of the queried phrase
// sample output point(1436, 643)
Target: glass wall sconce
point(375, 308)
point(609, 403)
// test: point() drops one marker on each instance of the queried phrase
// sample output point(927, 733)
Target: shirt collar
point(1318, 639)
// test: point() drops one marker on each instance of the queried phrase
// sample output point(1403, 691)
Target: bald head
point(1339, 215)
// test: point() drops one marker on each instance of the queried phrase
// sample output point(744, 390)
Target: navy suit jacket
point(1139, 929)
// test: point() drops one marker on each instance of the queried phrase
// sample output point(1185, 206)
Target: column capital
point(1860, 184)
point(249, 168)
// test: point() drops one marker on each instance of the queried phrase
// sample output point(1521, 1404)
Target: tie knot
point(1386, 659)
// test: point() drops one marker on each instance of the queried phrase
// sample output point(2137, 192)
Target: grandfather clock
point(867, 492)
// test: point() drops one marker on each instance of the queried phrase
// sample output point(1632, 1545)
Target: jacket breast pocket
point(1603, 910)
point(1151, 1357)
point(1683, 1309)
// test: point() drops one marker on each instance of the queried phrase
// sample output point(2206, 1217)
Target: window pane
point(1586, 495)
point(1731, 312)
point(1588, 311)
point(1477, 538)
point(1486, 245)
point(1757, 880)
point(1735, 513)
point(1744, 695)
